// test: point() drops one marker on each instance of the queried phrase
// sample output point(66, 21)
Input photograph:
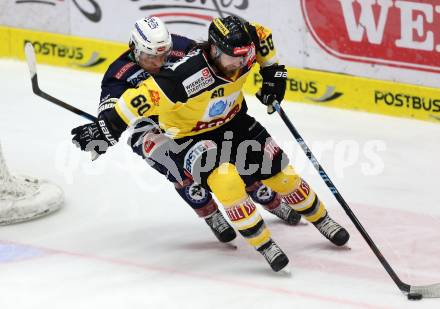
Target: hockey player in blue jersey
point(151, 47)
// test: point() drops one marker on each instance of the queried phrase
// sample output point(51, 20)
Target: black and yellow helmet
point(231, 35)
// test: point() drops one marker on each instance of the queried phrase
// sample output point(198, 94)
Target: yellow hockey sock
point(247, 220)
point(229, 188)
point(297, 193)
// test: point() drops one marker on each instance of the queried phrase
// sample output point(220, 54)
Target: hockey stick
point(413, 292)
point(32, 64)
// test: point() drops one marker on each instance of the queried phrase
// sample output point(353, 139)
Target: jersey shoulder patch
point(123, 70)
point(262, 31)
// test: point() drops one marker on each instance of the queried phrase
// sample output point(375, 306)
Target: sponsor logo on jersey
point(177, 53)
point(220, 106)
point(388, 32)
point(217, 108)
point(261, 32)
point(220, 92)
point(202, 125)
point(137, 77)
point(154, 96)
point(198, 81)
point(124, 70)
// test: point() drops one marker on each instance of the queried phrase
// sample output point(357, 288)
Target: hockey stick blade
point(428, 291)
point(32, 65)
point(31, 61)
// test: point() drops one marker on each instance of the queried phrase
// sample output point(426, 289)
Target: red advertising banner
point(400, 33)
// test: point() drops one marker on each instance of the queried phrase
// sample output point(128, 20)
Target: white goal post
point(24, 198)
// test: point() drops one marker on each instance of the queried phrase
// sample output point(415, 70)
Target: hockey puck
point(415, 296)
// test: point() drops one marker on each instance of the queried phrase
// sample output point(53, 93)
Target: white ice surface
point(125, 240)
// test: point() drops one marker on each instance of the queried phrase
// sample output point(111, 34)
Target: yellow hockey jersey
point(190, 97)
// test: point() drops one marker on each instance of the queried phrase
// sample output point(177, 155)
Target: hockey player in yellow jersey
point(201, 106)
point(150, 46)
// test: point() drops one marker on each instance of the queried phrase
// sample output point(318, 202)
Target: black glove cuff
point(114, 124)
point(270, 72)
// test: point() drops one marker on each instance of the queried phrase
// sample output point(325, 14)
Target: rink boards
point(309, 86)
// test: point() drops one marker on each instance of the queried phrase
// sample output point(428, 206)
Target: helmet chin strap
point(136, 56)
point(135, 52)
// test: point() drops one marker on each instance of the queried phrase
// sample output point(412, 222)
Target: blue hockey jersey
point(125, 73)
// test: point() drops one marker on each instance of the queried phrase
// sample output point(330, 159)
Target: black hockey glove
point(95, 137)
point(274, 86)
